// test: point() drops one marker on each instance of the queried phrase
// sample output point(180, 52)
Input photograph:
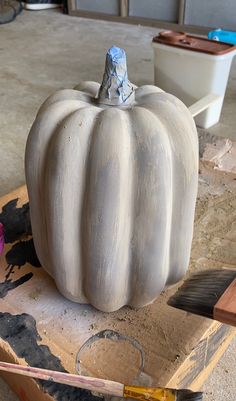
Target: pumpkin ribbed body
point(112, 194)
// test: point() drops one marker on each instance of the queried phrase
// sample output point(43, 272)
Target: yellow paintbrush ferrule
point(149, 393)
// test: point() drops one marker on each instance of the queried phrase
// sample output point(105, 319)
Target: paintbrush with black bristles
point(104, 386)
point(210, 293)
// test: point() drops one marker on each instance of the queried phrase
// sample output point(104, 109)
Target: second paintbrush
point(210, 293)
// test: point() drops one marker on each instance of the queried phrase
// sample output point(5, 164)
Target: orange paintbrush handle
point(149, 393)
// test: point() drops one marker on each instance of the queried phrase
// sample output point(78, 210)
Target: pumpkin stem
point(115, 88)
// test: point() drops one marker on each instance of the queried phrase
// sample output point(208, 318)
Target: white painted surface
point(112, 194)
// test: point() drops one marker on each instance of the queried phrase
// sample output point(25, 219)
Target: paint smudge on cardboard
point(21, 333)
point(9, 284)
point(16, 221)
point(21, 253)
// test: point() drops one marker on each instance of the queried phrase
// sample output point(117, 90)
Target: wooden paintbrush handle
point(88, 383)
point(225, 308)
point(102, 386)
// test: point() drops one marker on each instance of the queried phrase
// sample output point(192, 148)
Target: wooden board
point(179, 349)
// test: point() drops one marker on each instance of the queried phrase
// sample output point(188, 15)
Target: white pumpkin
point(112, 193)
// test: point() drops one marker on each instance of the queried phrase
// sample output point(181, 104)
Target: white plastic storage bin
point(192, 67)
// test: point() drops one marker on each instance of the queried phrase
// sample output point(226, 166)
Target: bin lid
point(193, 43)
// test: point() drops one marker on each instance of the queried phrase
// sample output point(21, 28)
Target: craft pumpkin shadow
point(111, 173)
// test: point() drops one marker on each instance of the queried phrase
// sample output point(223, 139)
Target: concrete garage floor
point(41, 52)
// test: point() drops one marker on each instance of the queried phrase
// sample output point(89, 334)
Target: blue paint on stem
point(115, 88)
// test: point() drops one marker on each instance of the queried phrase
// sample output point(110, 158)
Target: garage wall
point(167, 10)
point(108, 6)
point(193, 15)
point(211, 13)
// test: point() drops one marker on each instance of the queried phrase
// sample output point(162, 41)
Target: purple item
point(1, 238)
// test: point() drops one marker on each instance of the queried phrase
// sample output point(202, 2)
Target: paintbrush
point(102, 386)
point(210, 293)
